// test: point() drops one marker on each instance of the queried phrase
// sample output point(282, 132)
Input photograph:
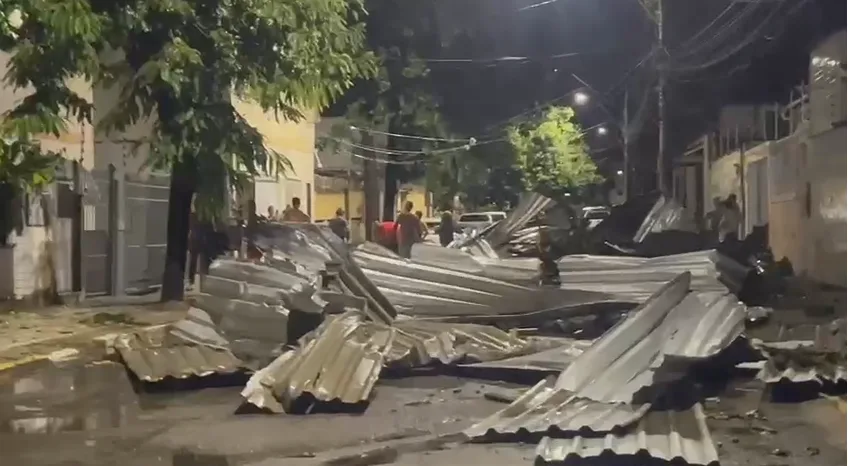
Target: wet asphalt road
point(76, 413)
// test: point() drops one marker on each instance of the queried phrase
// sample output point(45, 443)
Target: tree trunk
point(179, 210)
point(390, 189)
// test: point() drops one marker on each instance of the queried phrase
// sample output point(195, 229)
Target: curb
point(97, 348)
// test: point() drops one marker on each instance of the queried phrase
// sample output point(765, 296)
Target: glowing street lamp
point(620, 172)
point(602, 131)
point(581, 98)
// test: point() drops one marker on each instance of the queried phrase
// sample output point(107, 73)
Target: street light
point(602, 131)
point(620, 172)
point(581, 98)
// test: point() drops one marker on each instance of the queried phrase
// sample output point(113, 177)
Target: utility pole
point(661, 75)
point(371, 189)
point(626, 139)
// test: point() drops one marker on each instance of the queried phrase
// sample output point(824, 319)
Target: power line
point(503, 123)
point(722, 31)
point(408, 136)
point(506, 59)
point(748, 40)
point(703, 30)
point(536, 5)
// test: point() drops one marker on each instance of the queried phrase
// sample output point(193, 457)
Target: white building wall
point(31, 260)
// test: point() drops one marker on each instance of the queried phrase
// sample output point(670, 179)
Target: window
point(474, 218)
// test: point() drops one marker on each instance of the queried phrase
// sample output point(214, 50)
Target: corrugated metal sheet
point(611, 365)
point(342, 361)
point(599, 388)
point(423, 289)
point(156, 355)
point(671, 327)
point(667, 214)
point(545, 408)
point(800, 361)
point(553, 360)
point(665, 435)
point(311, 248)
point(420, 343)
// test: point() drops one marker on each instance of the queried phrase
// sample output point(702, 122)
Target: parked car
point(479, 220)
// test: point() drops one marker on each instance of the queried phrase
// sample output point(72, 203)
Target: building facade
point(792, 177)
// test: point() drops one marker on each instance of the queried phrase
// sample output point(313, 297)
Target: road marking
point(23, 361)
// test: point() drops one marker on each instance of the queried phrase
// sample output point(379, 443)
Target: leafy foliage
point(182, 62)
point(551, 153)
point(483, 176)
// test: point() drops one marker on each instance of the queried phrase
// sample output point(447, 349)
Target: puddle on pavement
point(45, 398)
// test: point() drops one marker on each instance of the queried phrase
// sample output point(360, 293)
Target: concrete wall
point(827, 176)
point(30, 263)
point(725, 180)
point(296, 141)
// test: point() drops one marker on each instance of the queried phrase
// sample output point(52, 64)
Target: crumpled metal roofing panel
point(420, 343)
point(311, 247)
point(155, 355)
point(703, 331)
point(545, 408)
point(606, 367)
point(665, 435)
point(667, 214)
point(635, 354)
point(555, 359)
point(800, 361)
point(343, 358)
point(341, 363)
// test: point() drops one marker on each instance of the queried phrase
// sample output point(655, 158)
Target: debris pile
point(317, 324)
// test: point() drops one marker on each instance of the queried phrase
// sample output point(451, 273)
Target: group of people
point(724, 221)
point(292, 213)
point(402, 232)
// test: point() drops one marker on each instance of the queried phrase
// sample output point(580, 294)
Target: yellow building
point(339, 177)
point(296, 141)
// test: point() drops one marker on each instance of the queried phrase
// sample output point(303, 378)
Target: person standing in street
point(408, 230)
point(423, 227)
point(446, 228)
point(294, 214)
point(713, 219)
point(339, 226)
point(731, 218)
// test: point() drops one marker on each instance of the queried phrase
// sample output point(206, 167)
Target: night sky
point(604, 40)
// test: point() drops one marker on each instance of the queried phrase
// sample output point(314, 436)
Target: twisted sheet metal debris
point(546, 408)
point(156, 354)
point(342, 363)
point(553, 360)
point(343, 359)
point(798, 361)
point(667, 214)
point(423, 289)
point(665, 435)
point(653, 346)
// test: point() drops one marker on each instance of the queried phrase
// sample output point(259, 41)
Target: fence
point(145, 232)
point(109, 233)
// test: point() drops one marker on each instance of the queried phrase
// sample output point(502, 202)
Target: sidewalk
point(31, 335)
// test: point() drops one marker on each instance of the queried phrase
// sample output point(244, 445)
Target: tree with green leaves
point(401, 98)
point(552, 154)
point(181, 63)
